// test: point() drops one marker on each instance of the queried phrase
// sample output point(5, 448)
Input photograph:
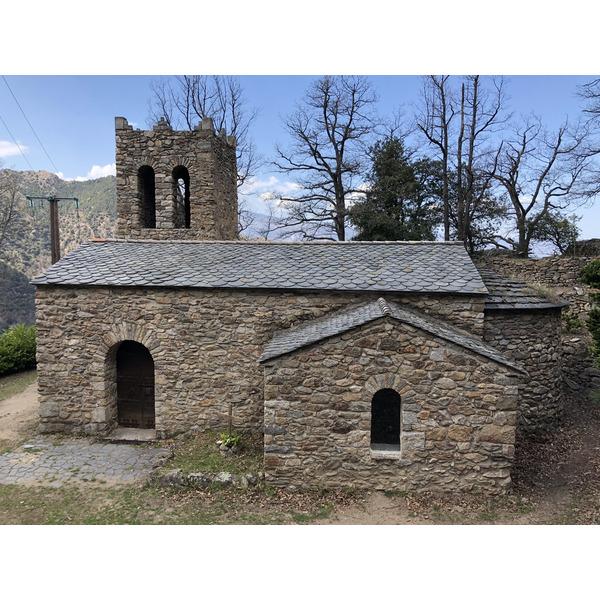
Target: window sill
point(385, 452)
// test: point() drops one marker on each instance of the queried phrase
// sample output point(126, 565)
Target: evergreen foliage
point(17, 349)
point(590, 274)
point(561, 231)
point(404, 198)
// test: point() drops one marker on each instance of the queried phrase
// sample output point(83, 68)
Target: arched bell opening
point(181, 195)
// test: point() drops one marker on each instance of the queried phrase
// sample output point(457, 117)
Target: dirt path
point(18, 416)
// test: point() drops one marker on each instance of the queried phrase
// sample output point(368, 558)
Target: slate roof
point(339, 322)
point(348, 266)
point(505, 293)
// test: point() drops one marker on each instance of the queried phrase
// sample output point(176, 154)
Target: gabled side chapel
point(388, 365)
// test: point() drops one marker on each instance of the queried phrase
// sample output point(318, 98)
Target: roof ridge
point(386, 311)
point(283, 242)
point(348, 318)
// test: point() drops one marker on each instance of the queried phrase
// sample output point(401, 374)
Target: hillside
point(16, 298)
point(27, 247)
point(25, 251)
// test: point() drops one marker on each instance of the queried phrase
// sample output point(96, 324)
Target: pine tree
point(404, 198)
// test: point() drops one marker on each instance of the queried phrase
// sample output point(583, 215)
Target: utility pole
point(54, 229)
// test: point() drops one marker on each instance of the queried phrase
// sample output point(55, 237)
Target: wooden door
point(135, 386)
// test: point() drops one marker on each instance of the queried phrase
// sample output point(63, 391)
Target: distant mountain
point(261, 225)
point(27, 248)
point(25, 251)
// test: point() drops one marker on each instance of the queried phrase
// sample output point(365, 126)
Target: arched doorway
point(385, 420)
point(135, 386)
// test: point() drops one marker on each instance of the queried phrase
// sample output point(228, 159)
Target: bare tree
point(184, 100)
point(271, 220)
point(434, 121)
point(590, 92)
point(458, 126)
point(541, 173)
point(481, 113)
point(245, 216)
point(330, 131)
point(9, 199)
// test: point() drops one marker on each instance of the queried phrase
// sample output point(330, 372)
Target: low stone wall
point(458, 413)
point(560, 274)
point(580, 373)
point(205, 345)
point(203, 479)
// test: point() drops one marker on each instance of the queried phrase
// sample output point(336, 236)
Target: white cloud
point(270, 185)
point(10, 149)
point(94, 173)
point(357, 196)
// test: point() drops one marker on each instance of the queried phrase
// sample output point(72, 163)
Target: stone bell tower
point(175, 185)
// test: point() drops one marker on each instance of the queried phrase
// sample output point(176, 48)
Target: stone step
point(127, 435)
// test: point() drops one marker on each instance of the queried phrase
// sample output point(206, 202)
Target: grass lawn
point(200, 452)
point(151, 505)
point(16, 383)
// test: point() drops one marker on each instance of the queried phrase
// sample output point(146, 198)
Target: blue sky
point(73, 117)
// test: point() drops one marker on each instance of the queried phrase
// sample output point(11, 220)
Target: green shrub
point(17, 349)
point(572, 323)
point(590, 274)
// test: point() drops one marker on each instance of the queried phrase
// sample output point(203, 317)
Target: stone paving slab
point(54, 462)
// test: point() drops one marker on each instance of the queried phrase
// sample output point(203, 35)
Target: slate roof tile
point(346, 266)
point(505, 293)
point(325, 327)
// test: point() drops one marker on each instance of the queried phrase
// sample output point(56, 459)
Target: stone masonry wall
point(458, 413)
point(205, 345)
point(211, 164)
point(529, 338)
point(560, 274)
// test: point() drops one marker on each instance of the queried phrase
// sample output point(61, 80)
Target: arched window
point(146, 193)
point(181, 195)
point(385, 420)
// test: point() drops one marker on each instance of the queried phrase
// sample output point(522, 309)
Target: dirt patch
point(18, 416)
point(560, 472)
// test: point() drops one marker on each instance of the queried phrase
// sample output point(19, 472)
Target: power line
point(16, 143)
point(30, 125)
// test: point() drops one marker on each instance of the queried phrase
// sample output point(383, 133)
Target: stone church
point(388, 365)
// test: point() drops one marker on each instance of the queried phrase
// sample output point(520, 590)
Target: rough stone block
point(460, 433)
point(47, 410)
point(497, 434)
